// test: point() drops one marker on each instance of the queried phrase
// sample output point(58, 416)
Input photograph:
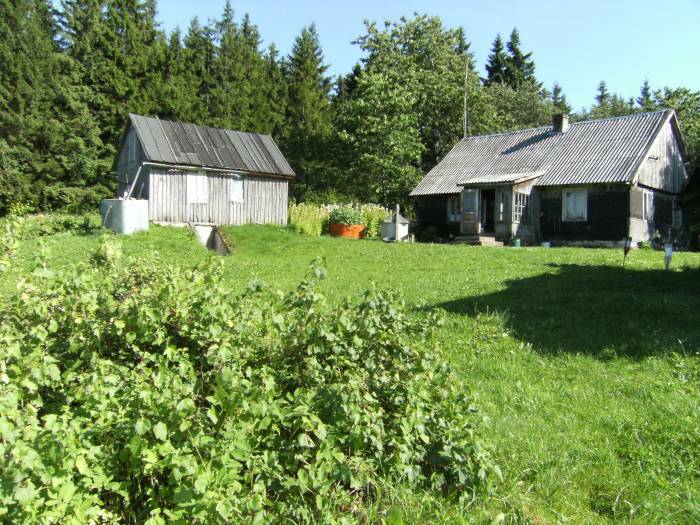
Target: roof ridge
point(197, 125)
point(604, 119)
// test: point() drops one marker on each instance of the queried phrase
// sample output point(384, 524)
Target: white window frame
point(648, 210)
point(236, 192)
point(197, 187)
point(521, 202)
point(564, 214)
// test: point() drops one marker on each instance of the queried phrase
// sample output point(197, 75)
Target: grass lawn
point(589, 376)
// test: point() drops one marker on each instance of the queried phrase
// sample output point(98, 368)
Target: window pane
point(236, 191)
point(197, 188)
point(470, 201)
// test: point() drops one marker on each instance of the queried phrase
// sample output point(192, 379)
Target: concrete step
point(472, 240)
point(489, 240)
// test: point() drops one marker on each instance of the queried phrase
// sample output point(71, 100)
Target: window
point(236, 188)
point(453, 212)
point(471, 201)
point(574, 206)
point(197, 188)
point(521, 212)
point(648, 209)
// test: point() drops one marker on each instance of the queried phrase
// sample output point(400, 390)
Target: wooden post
point(396, 224)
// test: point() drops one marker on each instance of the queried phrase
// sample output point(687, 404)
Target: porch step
point(472, 240)
point(489, 240)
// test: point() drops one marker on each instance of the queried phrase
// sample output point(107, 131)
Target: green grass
point(590, 376)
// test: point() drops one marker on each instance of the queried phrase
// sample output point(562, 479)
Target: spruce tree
point(497, 65)
point(199, 56)
point(50, 150)
point(179, 98)
point(520, 68)
point(603, 96)
point(276, 93)
point(559, 99)
point(308, 123)
point(226, 96)
point(644, 100)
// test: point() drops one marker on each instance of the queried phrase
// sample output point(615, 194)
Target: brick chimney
point(560, 123)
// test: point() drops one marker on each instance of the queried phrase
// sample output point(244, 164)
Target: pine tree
point(497, 65)
point(559, 99)
point(520, 68)
point(308, 123)
point(644, 99)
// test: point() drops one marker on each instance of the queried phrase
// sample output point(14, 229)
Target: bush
point(136, 392)
point(32, 226)
point(346, 215)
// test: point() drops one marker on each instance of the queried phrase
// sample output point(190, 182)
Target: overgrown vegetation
point(133, 391)
point(313, 219)
point(593, 409)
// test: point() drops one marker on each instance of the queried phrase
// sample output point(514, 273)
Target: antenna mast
point(466, 80)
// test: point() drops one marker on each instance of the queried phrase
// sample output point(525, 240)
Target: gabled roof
point(597, 151)
point(178, 143)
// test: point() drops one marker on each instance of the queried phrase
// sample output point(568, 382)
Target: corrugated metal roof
point(596, 151)
point(179, 143)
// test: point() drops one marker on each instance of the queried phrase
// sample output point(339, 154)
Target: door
point(488, 210)
point(470, 212)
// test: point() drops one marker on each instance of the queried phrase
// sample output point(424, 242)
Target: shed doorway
point(488, 210)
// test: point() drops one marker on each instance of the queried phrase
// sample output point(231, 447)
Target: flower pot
point(350, 231)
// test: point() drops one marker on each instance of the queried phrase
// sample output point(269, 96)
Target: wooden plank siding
point(264, 199)
point(663, 168)
point(128, 161)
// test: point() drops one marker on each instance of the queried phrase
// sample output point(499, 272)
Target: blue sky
point(577, 43)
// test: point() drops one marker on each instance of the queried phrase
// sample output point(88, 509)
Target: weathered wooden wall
point(129, 159)
point(528, 230)
point(264, 199)
point(608, 212)
point(663, 169)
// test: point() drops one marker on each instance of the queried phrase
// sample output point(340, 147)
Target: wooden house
point(202, 175)
point(593, 182)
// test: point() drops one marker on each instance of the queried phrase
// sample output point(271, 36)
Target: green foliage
point(135, 391)
point(315, 219)
point(308, 126)
point(308, 219)
point(372, 217)
point(345, 215)
point(520, 68)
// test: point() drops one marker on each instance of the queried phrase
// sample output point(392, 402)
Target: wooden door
point(470, 212)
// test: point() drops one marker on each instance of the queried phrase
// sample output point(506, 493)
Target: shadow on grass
point(598, 310)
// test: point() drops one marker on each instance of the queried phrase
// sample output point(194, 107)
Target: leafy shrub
point(373, 216)
point(345, 215)
point(32, 226)
point(136, 392)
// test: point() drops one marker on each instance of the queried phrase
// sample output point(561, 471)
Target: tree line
point(71, 75)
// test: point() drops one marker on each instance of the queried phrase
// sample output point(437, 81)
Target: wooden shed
point(203, 175)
